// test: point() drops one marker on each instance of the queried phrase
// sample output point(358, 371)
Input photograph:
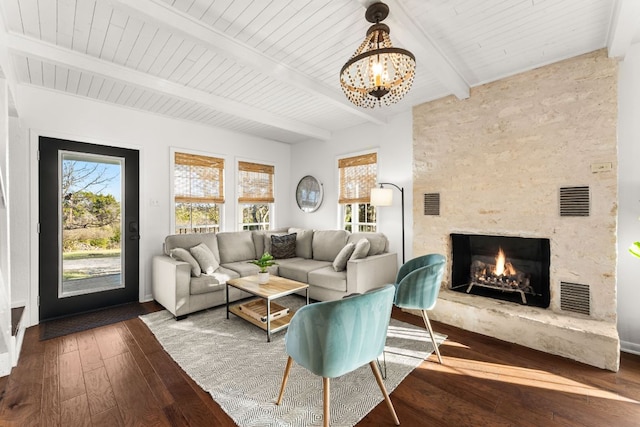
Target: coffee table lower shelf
point(277, 324)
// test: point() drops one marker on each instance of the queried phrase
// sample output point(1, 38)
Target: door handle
point(133, 228)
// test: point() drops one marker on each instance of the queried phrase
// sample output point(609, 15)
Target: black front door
point(88, 215)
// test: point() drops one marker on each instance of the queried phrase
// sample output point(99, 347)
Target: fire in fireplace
point(508, 268)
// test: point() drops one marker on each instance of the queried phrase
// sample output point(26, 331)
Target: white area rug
point(232, 360)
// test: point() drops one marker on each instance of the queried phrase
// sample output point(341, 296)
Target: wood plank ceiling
point(270, 68)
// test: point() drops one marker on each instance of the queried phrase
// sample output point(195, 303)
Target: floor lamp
point(381, 196)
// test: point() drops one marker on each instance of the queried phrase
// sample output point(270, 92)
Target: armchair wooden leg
point(383, 389)
point(433, 338)
point(326, 400)
point(285, 377)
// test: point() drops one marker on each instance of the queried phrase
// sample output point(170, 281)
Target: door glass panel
point(91, 189)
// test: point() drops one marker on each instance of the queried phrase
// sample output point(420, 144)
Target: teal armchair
point(333, 338)
point(417, 287)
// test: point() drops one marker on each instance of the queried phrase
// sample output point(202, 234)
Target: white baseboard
point(630, 347)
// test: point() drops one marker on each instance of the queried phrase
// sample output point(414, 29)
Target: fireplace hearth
point(507, 268)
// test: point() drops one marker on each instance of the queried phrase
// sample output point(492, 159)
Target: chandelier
point(377, 72)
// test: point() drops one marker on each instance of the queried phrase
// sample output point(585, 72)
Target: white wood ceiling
point(270, 68)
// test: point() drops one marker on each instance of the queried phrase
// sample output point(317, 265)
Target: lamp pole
point(401, 189)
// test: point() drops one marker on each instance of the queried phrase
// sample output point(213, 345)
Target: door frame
point(144, 294)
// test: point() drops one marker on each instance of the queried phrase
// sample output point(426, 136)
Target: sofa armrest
point(371, 272)
point(170, 283)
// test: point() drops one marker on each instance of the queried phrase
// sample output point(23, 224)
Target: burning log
point(501, 276)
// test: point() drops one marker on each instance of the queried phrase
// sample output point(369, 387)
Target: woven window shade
point(255, 182)
point(357, 178)
point(198, 179)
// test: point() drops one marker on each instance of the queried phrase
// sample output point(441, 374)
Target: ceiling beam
point(625, 23)
point(192, 29)
point(75, 60)
point(427, 52)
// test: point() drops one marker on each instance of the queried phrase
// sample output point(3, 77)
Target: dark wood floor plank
point(51, 353)
point(71, 376)
point(135, 400)
point(109, 341)
point(194, 409)
point(99, 392)
point(135, 349)
point(75, 412)
point(144, 337)
point(68, 343)
point(110, 418)
point(50, 416)
point(21, 403)
point(90, 355)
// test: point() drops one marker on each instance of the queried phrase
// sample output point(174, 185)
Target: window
point(198, 191)
point(255, 195)
point(357, 177)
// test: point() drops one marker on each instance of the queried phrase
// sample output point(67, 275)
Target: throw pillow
point(180, 254)
point(283, 246)
point(340, 263)
point(361, 250)
point(205, 258)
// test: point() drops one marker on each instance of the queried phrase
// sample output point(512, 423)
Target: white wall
point(5, 286)
point(48, 113)
point(393, 142)
point(629, 200)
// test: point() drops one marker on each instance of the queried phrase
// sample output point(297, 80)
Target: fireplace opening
point(512, 269)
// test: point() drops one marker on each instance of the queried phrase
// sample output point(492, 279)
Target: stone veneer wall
point(498, 160)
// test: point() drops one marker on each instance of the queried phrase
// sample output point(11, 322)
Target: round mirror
point(309, 194)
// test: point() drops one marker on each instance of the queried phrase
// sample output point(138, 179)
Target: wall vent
point(432, 204)
point(574, 201)
point(575, 297)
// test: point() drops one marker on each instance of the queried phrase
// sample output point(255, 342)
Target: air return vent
point(575, 297)
point(574, 201)
point(432, 204)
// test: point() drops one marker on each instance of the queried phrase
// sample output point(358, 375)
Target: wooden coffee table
point(277, 287)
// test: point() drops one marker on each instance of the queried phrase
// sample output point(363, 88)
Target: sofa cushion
point(205, 258)
point(327, 243)
point(181, 254)
point(187, 241)
point(236, 246)
point(283, 246)
point(299, 270)
point(361, 250)
point(258, 242)
point(340, 263)
point(378, 241)
point(328, 278)
point(204, 284)
point(242, 268)
point(304, 239)
point(223, 275)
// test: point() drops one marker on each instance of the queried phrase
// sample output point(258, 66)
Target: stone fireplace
point(530, 157)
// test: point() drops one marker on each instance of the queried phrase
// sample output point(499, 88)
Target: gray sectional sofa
point(334, 263)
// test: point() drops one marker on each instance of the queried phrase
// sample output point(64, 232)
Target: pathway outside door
point(89, 206)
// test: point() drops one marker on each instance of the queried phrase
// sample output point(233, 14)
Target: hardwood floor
point(120, 375)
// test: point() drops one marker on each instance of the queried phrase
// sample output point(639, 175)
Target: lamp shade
point(381, 196)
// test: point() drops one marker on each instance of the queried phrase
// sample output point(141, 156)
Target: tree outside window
point(255, 195)
point(357, 177)
point(198, 193)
